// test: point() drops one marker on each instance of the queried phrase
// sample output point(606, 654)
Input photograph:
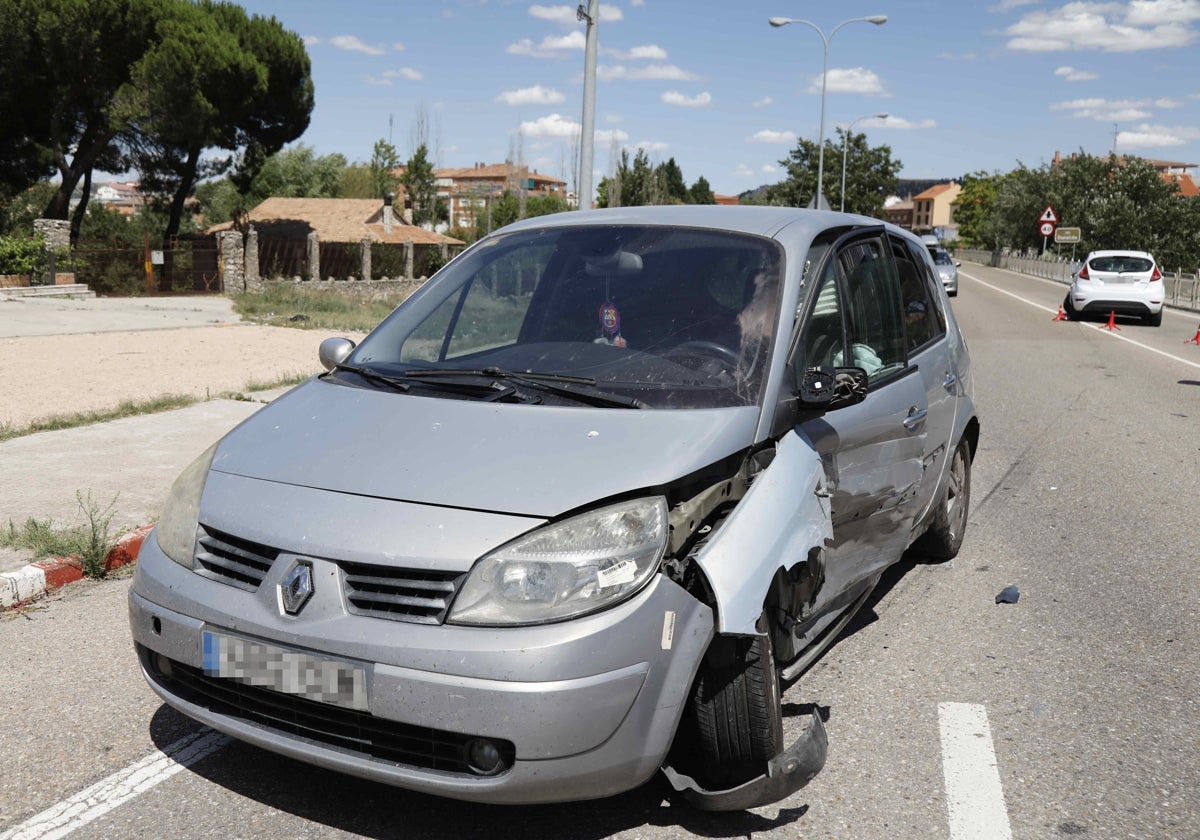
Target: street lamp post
point(777, 22)
point(587, 131)
point(845, 140)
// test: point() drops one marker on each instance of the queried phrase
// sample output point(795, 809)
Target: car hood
point(520, 459)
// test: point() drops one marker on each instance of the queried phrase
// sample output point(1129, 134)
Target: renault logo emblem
point(296, 587)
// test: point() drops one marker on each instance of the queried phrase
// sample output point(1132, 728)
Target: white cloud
point(536, 95)
point(554, 125)
point(637, 2)
point(567, 15)
point(398, 47)
point(378, 81)
point(700, 100)
point(613, 118)
point(1108, 26)
point(564, 128)
point(851, 80)
point(1118, 110)
point(607, 137)
point(743, 171)
point(766, 100)
point(768, 169)
point(645, 52)
point(1149, 137)
point(967, 56)
point(768, 136)
point(908, 125)
point(310, 40)
point(651, 147)
point(550, 47)
point(1167, 102)
point(1006, 5)
point(654, 72)
point(352, 44)
point(405, 73)
point(1073, 75)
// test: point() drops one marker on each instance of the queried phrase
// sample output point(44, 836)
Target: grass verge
point(133, 408)
point(285, 305)
point(88, 543)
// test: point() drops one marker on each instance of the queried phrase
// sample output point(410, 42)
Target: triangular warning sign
point(1048, 215)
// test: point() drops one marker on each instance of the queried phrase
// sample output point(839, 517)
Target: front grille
point(343, 729)
point(418, 597)
point(231, 559)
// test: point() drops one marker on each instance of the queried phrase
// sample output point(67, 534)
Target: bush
point(21, 254)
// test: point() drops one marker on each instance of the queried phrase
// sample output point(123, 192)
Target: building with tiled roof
point(466, 190)
point(336, 220)
point(933, 209)
point(726, 199)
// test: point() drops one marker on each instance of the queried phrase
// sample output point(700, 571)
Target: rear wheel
point(1072, 313)
point(945, 535)
point(737, 705)
point(1155, 320)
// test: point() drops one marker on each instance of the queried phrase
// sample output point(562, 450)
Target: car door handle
point(915, 418)
point(949, 382)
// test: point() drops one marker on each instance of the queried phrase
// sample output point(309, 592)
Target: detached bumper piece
point(786, 773)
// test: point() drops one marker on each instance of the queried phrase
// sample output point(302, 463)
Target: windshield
point(670, 317)
point(943, 258)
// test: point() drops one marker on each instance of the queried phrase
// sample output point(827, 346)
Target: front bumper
point(587, 708)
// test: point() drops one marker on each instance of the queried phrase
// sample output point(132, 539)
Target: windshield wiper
point(557, 383)
point(374, 376)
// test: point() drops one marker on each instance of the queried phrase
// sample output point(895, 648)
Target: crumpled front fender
point(786, 773)
point(783, 515)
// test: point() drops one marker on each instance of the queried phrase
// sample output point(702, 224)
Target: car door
point(929, 352)
point(872, 452)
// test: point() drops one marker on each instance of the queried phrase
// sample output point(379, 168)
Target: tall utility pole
point(587, 133)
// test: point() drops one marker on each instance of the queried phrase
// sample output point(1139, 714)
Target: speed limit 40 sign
point(1047, 228)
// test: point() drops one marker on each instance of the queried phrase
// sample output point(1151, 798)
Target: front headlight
point(576, 566)
point(176, 528)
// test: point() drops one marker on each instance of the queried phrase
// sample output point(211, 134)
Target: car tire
point(1069, 308)
point(944, 537)
point(1155, 320)
point(738, 712)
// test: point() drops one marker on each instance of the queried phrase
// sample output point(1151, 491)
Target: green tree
point(295, 172)
point(973, 210)
point(871, 175)
point(383, 161)
point(672, 180)
point(421, 186)
point(701, 192)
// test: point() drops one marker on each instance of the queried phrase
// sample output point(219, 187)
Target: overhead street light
point(777, 22)
point(845, 140)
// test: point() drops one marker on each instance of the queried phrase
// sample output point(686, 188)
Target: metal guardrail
point(1182, 288)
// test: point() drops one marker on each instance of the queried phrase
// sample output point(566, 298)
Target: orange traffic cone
point(1062, 315)
point(1195, 340)
point(1112, 322)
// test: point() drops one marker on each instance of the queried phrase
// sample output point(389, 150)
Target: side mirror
point(333, 352)
point(831, 388)
point(958, 265)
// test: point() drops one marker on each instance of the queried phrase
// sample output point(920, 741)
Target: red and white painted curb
point(47, 575)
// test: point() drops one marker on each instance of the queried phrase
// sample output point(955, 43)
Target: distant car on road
point(578, 509)
point(1121, 282)
point(947, 270)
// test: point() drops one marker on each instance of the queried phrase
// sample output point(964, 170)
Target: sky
point(966, 86)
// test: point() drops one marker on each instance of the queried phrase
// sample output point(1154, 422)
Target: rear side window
point(924, 321)
point(1120, 263)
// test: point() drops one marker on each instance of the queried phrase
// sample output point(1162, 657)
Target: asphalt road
point(1084, 495)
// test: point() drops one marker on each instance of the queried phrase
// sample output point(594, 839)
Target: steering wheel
point(698, 348)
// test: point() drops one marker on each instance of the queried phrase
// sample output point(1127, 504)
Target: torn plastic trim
point(786, 773)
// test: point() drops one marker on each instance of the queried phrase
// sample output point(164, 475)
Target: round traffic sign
point(1047, 228)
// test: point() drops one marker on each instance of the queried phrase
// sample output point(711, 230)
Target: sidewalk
point(67, 356)
point(130, 462)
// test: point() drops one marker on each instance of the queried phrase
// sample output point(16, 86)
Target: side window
point(824, 335)
point(872, 304)
point(921, 323)
point(932, 284)
point(487, 312)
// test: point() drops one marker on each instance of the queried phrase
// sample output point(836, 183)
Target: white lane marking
point(974, 796)
point(1080, 323)
point(96, 801)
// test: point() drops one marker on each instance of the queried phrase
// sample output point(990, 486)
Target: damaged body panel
point(579, 509)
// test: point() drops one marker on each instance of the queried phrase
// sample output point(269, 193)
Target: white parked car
point(1120, 282)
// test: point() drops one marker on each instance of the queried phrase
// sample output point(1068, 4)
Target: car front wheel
point(736, 701)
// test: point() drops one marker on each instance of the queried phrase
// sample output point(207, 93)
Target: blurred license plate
point(285, 671)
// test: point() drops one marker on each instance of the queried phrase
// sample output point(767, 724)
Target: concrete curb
point(44, 576)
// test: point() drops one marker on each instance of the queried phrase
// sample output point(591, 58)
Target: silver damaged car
point(581, 508)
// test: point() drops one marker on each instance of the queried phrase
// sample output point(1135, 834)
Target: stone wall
point(56, 232)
